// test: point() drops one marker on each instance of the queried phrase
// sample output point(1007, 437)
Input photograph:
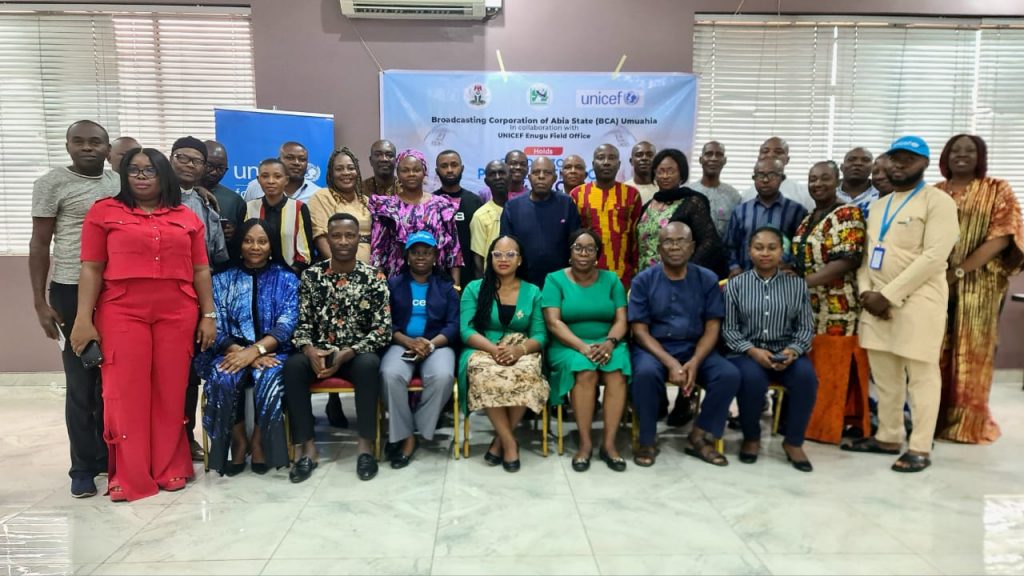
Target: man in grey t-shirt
point(60, 200)
point(722, 197)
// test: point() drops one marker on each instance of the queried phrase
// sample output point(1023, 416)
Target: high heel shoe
point(233, 469)
point(260, 468)
point(801, 465)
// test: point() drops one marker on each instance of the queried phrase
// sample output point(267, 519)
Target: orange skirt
point(842, 369)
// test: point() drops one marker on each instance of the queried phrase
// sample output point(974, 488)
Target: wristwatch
point(212, 315)
point(959, 272)
point(432, 347)
point(615, 341)
point(261, 349)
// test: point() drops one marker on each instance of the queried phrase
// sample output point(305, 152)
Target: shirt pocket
point(125, 234)
point(907, 233)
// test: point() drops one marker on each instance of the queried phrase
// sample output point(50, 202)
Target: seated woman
point(257, 307)
point(502, 329)
point(585, 311)
point(768, 329)
point(288, 222)
point(827, 249)
point(425, 325)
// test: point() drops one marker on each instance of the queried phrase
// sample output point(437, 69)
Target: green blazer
point(528, 320)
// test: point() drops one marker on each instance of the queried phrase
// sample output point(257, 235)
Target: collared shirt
point(772, 314)
point(304, 193)
point(163, 244)
point(66, 196)
point(792, 189)
point(782, 213)
point(485, 227)
point(468, 204)
point(216, 246)
point(676, 310)
point(543, 229)
point(723, 199)
point(343, 310)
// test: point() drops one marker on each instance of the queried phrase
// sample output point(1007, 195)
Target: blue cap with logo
point(913, 144)
point(421, 237)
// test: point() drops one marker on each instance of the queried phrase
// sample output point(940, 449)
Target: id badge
point(877, 255)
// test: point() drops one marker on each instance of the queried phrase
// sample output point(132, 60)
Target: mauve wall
point(309, 57)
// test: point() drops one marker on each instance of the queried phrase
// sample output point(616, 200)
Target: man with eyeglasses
point(776, 148)
point(232, 207)
point(769, 208)
point(542, 222)
point(675, 312)
point(382, 160)
point(295, 158)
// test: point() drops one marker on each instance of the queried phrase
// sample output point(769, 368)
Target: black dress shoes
point(400, 460)
point(801, 465)
point(748, 458)
point(616, 464)
point(302, 470)
point(366, 467)
point(260, 468)
point(491, 458)
point(512, 466)
point(233, 469)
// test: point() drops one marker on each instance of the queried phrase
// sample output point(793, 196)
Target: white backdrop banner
point(483, 115)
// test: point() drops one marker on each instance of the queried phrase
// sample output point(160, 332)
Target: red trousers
point(147, 330)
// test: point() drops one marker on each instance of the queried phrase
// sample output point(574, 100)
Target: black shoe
point(801, 465)
point(616, 464)
point(390, 448)
point(400, 460)
point(733, 423)
point(681, 413)
point(260, 468)
point(335, 414)
point(581, 464)
point(491, 458)
point(747, 458)
point(366, 467)
point(83, 487)
point(232, 469)
point(512, 466)
point(302, 470)
point(197, 451)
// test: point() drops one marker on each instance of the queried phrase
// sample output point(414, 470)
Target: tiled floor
point(851, 516)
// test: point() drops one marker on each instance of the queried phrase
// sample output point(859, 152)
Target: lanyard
point(886, 220)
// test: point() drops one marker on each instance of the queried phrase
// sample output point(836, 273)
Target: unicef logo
point(631, 98)
point(477, 95)
point(312, 172)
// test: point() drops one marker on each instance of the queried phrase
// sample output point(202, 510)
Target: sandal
point(116, 494)
point(175, 484)
point(700, 448)
point(868, 445)
point(910, 462)
point(645, 456)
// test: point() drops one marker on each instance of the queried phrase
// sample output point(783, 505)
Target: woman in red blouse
point(146, 273)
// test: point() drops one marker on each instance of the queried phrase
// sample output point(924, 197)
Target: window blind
point(154, 76)
point(858, 83)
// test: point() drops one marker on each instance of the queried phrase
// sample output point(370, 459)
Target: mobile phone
point(61, 339)
point(409, 356)
point(91, 355)
point(779, 358)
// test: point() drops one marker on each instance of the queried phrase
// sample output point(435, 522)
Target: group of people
point(525, 295)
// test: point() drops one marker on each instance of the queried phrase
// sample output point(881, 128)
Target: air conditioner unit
point(420, 9)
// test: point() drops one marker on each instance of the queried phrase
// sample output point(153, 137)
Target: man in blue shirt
point(542, 221)
point(770, 207)
point(675, 311)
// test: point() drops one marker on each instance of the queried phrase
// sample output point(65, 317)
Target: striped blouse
point(782, 213)
point(772, 314)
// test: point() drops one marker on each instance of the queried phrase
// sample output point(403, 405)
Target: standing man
point(60, 200)
point(880, 185)
point(904, 293)
point(613, 210)
point(486, 223)
point(449, 169)
point(856, 183)
point(232, 207)
point(769, 208)
point(382, 160)
point(542, 221)
point(118, 148)
point(518, 164)
point(722, 197)
point(776, 148)
point(640, 159)
point(295, 158)
point(573, 173)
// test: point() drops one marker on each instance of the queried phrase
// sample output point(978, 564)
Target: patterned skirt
point(492, 385)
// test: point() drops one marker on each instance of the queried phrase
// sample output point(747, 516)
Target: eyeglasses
point(216, 167)
point(675, 243)
point(135, 171)
point(499, 255)
point(765, 175)
point(584, 250)
point(188, 160)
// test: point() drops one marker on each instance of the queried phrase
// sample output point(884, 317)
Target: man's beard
point(901, 183)
point(451, 180)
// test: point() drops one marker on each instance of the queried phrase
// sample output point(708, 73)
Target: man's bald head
point(774, 147)
point(216, 164)
point(542, 176)
point(118, 148)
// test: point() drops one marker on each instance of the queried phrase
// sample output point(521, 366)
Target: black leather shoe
point(491, 458)
point(390, 448)
point(260, 468)
point(233, 469)
point(616, 464)
point(801, 465)
point(748, 458)
point(366, 467)
point(512, 466)
point(197, 451)
point(335, 414)
point(581, 464)
point(400, 460)
point(302, 470)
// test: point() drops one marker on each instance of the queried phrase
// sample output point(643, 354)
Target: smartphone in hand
point(409, 356)
point(779, 358)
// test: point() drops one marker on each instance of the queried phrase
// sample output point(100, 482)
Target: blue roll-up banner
point(251, 136)
point(483, 115)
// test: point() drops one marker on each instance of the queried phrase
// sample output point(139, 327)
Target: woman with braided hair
point(343, 194)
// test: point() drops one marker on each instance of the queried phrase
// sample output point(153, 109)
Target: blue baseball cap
point(421, 237)
point(913, 144)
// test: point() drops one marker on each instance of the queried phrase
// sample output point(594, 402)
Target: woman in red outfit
point(146, 273)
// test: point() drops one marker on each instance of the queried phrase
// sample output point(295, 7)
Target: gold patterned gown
point(987, 209)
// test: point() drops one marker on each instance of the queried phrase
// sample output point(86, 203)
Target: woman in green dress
point(503, 334)
point(585, 310)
